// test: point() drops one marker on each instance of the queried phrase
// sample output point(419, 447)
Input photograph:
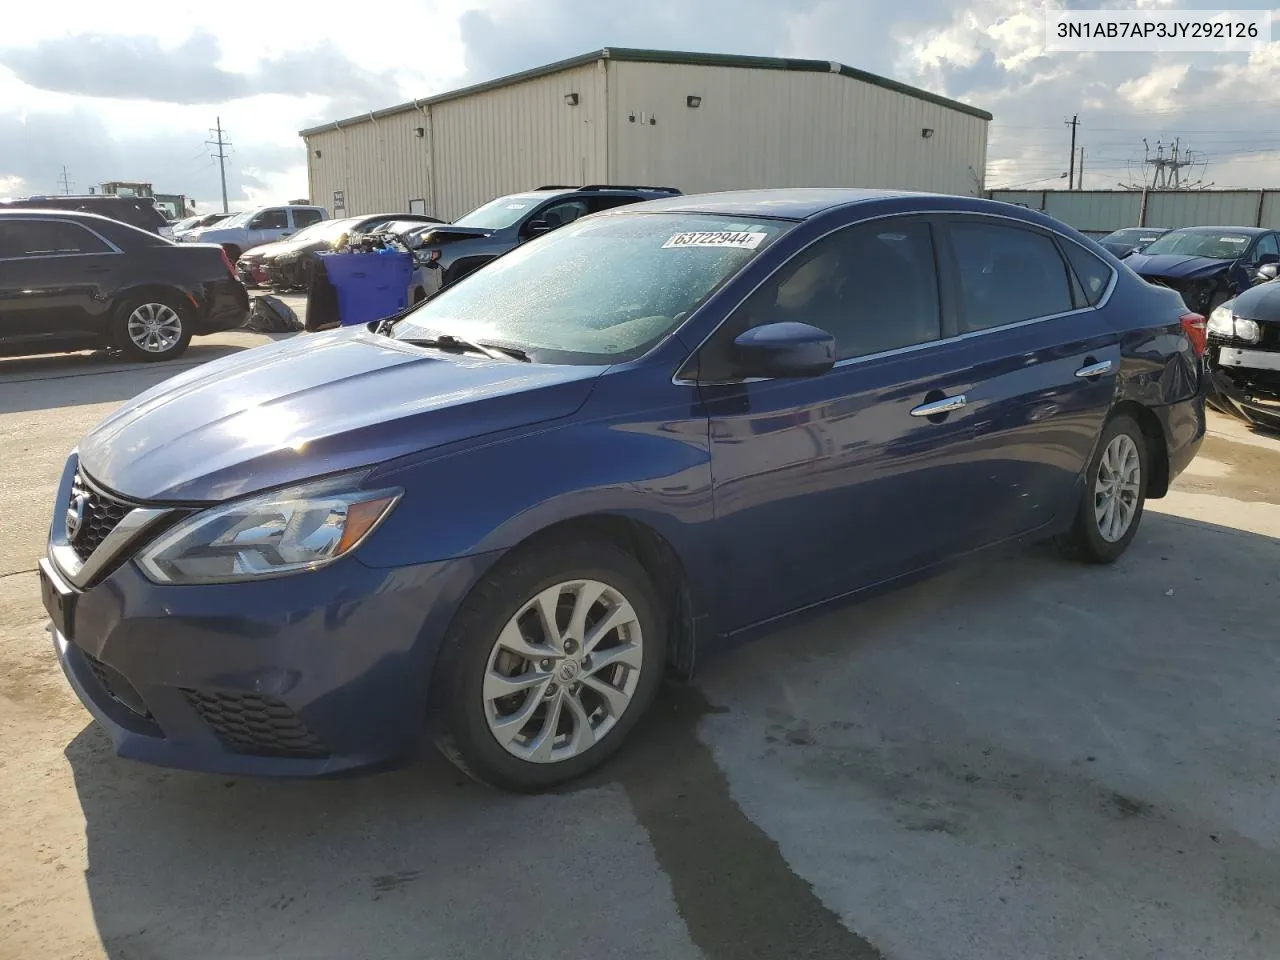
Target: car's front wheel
point(551, 661)
point(152, 328)
point(1115, 493)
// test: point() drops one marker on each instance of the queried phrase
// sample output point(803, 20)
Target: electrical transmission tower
point(1166, 171)
point(65, 181)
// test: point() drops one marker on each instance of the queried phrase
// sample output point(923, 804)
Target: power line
point(222, 143)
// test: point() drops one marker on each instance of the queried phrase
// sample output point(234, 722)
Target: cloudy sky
point(128, 91)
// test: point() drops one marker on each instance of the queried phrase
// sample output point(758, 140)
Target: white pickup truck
point(244, 231)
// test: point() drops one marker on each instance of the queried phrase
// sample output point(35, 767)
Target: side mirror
point(788, 349)
point(1267, 272)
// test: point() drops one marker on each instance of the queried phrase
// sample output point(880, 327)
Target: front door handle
point(936, 407)
point(1091, 369)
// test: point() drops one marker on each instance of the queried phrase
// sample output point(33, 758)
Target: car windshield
point(1214, 244)
point(186, 224)
point(1132, 235)
point(499, 214)
point(600, 290)
point(236, 219)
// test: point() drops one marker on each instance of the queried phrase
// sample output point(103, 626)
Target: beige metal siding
point(770, 128)
point(471, 150)
point(379, 165)
point(520, 137)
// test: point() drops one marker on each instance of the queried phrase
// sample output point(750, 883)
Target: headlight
point(288, 531)
point(1220, 321)
point(1223, 324)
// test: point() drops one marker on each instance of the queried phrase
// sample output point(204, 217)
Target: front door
point(267, 226)
point(829, 484)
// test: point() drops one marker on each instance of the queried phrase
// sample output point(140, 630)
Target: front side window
point(601, 290)
point(1212, 244)
point(47, 238)
point(304, 218)
point(1007, 275)
point(270, 220)
point(874, 287)
point(1266, 245)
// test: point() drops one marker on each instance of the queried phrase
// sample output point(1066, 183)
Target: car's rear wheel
point(152, 328)
point(549, 664)
point(1115, 493)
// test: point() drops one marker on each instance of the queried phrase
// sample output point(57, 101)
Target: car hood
point(1259, 303)
point(1174, 265)
point(281, 247)
point(448, 233)
point(314, 405)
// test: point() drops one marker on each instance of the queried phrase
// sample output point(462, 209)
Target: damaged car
point(1207, 265)
point(1243, 356)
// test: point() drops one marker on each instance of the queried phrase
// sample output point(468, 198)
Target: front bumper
point(297, 676)
point(1250, 393)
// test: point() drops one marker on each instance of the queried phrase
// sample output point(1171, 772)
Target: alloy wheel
point(155, 328)
point(1118, 488)
point(563, 671)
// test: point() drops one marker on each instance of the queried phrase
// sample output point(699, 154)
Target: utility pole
point(1081, 173)
point(221, 143)
point(1071, 170)
point(65, 181)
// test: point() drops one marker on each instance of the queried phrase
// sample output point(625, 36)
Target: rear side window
point(1008, 275)
point(47, 238)
point(304, 218)
point(1093, 274)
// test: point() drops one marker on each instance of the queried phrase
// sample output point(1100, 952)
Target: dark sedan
point(495, 522)
point(1244, 355)
point(288, 264)
point(1130, 240)
point(77, 281)
point(1206, 265)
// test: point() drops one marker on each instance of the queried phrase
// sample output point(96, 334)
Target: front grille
point(117, 687)
point(98, 515)
point(255, 724)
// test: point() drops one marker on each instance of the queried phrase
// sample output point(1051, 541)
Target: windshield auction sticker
point(724, 238)
point(1156, 31)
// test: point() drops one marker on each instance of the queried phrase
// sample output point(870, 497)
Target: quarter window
point(873, 286)
point(1007, 275)
point(47, 238)
point(1093, 274)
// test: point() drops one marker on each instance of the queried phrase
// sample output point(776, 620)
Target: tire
point(1121, 440)
point(466, 702)
point(152, 328)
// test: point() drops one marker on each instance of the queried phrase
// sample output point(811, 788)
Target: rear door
point(303, 217)
point(1044, 362)
point(828, 484)
point(52, 277)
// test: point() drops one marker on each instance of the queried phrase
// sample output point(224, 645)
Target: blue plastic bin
point(370, 286)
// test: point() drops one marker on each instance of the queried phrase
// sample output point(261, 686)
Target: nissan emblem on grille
point(75, 514)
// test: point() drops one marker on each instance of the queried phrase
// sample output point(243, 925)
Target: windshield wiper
point(449, 342)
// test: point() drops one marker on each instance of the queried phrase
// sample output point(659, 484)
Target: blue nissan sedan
point(494, 522)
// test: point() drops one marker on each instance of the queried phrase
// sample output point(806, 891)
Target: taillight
point(226, 261)
point(1193, 324)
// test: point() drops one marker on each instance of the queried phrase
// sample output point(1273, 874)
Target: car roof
point(1249, 231)
point(802, 203)
point(53, 213)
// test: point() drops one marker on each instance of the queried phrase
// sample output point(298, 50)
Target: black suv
point(138, 212)
point(451, 251)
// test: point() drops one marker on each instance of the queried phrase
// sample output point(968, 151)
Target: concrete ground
point(1020, 759)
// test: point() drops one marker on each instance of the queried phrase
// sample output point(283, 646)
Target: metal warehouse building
point(698, 122)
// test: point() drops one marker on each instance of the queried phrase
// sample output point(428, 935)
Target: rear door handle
point(1094, 369)
point(935, 407)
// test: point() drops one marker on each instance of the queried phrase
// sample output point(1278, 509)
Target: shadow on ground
point(69, 380)
point(420, 862)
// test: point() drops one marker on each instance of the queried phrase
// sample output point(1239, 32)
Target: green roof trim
point(660, 56)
